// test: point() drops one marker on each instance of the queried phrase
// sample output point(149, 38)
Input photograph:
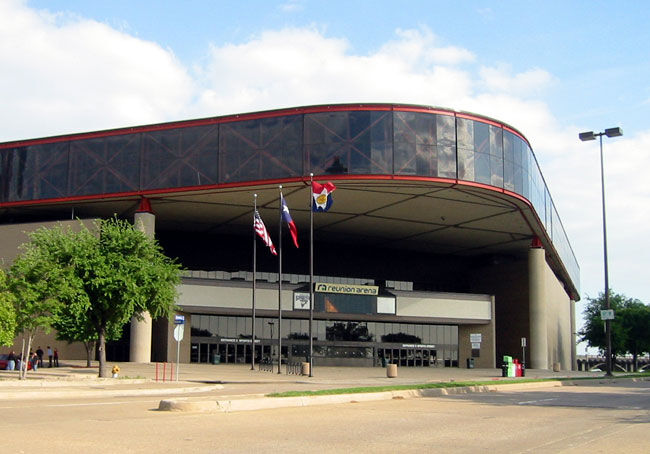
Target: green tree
point(635, 318)
point(72, 324)
point(39, 289)
point(116, 271)
point(7, 312)
point(630, 328)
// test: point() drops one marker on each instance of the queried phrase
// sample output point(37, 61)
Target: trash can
point(391, 371)
point(509, 366)
point(304, 368)
point(504, 369)
point(470, 363)
point(216, 358)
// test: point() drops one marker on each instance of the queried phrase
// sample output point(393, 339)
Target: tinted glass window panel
point(482, 173)
point(481, 137)
point(241, 327)
point(446, 162)
point(180, 157)
point(405, 158)
point(426, 162)
point(465, 131)
point(446, 146)
point(34, 172)
point(349, 142)
point(214, 325)
point(17, 176)
point(204, 324)
point(519, 179)
point(105, 165)
point(496, 170)
point(466, 164)
point(260, 149)
point(405, 138)
point(416, 150)
point(496, 141)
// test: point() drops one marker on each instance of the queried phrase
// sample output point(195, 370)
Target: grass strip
point(450, 384)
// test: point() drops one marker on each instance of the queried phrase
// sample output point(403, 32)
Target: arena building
point(443, 246)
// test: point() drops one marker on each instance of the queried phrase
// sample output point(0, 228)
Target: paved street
point(591, 417)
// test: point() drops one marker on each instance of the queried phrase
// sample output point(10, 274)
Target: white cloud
point(64, 74)
point(292, 5)
point(499, 79)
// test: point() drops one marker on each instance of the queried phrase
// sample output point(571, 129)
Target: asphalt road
point(588, 418)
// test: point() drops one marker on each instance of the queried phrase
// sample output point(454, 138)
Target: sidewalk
point(225, 382)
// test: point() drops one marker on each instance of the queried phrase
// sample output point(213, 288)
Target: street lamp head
point(613, 132)
point(585, 136)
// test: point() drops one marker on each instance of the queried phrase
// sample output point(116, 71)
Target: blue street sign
point(179, 319)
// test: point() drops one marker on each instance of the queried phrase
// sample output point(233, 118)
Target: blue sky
point(551, 69)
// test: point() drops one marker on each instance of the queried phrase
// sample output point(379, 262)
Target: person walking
point(39, 353)
point(56, 358)
point(33, 359)
point(11, 361)
point(50, 355)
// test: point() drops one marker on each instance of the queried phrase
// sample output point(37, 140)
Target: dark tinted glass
point(261, 149)
point(105, 165)
point(34, 172)
point(180, 157)
point(349, 142)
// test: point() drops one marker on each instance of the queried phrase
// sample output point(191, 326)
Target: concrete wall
point(558, 323)
point(444, 305)
point(508, 281)
point(14, 235)
point(165, 344)
point(76, 350)
point(232, 295)
point(487, 352)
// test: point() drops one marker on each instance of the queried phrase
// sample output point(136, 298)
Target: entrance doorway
point(408, 357)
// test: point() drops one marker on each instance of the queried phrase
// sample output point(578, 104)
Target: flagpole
point(280, 286)
point(311, 273)
point(254, 282)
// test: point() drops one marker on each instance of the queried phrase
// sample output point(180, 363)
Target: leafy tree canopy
point(7, 312)
point(630, 328)
point(114, 272)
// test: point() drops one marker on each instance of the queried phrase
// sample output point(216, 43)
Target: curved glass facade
point(381, 140)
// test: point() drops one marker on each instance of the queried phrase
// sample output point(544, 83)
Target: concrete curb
point(82, 394)
point(266, 403)
point(69, 382)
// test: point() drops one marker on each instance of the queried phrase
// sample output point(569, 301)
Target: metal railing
point(294, 368)
point(266, 365)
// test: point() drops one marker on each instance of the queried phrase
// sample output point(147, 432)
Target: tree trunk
point(20, 363)
point(25, 354)
point(90, 349)
point(102, 353)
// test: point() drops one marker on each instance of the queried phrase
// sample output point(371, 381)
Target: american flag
point(260, 229)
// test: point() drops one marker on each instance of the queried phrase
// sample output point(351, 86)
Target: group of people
point(14, 362)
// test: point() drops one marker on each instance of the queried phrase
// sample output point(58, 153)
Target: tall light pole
point(586, 136)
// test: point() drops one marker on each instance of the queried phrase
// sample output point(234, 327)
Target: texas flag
point(287, 218)
point(322, 194)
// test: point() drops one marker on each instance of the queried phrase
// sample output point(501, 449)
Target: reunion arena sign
point(348, 289)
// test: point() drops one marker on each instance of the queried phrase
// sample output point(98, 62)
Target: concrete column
point(574, 356)
point(140, 344)
point(537, 308)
